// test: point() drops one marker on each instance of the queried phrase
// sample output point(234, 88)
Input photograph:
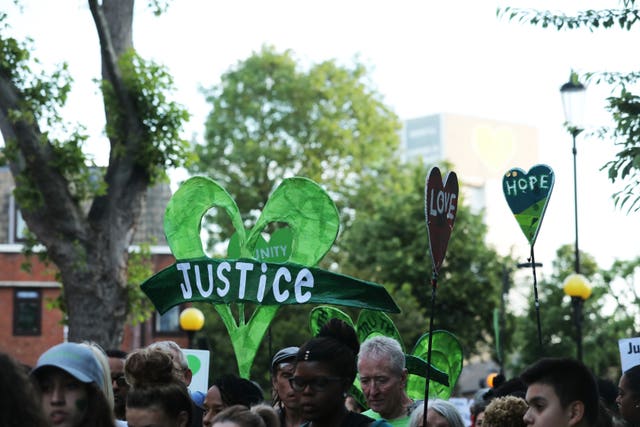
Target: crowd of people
point(80, 384)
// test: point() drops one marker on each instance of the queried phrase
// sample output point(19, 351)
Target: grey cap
point(75, 359)
point(282, 355)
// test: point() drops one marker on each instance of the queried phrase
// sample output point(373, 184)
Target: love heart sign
point(441, 207)
point(528, 194)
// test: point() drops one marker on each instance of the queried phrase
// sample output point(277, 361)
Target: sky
point(425, 58)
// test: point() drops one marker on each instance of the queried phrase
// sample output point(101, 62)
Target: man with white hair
point(383, 377)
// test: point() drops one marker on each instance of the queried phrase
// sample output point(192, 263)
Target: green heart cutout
point(312, 225)
point(446, 356)
point(375, 323)
point(528, 194)
point(194, 363)
point(298, 202)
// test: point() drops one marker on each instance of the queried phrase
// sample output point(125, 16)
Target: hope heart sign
point(441, 206)
point(528, 195)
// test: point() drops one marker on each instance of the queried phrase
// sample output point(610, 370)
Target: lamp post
point(577, 287)
point(573, 93)
point(191, 320)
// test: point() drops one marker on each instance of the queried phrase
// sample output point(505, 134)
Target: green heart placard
point(269, 271)
point(371, 323)
point(446, 356)
point(527, 194)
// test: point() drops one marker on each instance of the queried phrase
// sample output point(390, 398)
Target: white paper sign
point(629, 352)
point(199, 364)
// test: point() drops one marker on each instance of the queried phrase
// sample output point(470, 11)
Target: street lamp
point(578, 288)
point(573, 94)
point(191, 320)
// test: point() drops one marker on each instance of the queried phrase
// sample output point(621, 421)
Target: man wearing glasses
point(383, 378)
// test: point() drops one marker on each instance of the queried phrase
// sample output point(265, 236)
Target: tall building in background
point(480, 152)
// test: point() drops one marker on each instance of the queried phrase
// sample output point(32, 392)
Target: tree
point(271, 120)
point(387, 244)
point(85, 217)
point(622, 284)
point(623, 104)
point(601, 330)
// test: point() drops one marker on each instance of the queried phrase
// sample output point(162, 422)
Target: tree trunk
point(89, 249)
point(96, 297)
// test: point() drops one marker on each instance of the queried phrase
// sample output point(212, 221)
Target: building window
point(168, 323)
point(27, 309)
point(17, 225)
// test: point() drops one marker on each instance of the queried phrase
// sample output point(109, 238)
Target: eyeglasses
point(120, 380)
point(316, 384)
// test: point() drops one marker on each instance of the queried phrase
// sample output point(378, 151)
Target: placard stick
point(434, 287)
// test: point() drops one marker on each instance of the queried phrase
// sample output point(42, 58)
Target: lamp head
point(573, 95)
point(576, 285)
point(191, 319)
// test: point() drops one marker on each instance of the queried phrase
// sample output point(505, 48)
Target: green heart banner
point(446, 356)
point(528, 195)
point(268, 270)
point(375, 323)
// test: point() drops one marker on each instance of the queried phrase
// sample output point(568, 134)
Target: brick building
point(28, 325)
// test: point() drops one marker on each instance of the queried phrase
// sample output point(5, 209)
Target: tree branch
point(125, 177)
point(33, 158)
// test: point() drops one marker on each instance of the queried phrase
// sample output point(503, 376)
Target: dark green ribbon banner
point(225, 281)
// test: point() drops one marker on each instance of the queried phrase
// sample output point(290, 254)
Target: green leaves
point(625, 18)
point(272, 118)
point(625, 166)
point(149, 84)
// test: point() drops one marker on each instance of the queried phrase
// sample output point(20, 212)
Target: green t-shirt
point(398, 422)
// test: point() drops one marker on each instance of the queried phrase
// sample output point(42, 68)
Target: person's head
point(283, 366)
point(156, 396)
point(512, 387)
point(440, 413)
point(19, 405)
point(507, 411)
point(240, 416)
point(70, 379)
point(560, 392)
point(101, 356)
point(180, 364)
point(325, 370)
point(226, 391)
point(476, 411)
point(628, 399)
point(118, 382)
point(383, 376)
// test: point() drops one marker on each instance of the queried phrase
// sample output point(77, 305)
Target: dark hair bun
point(342, 332)
point(147, 367)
